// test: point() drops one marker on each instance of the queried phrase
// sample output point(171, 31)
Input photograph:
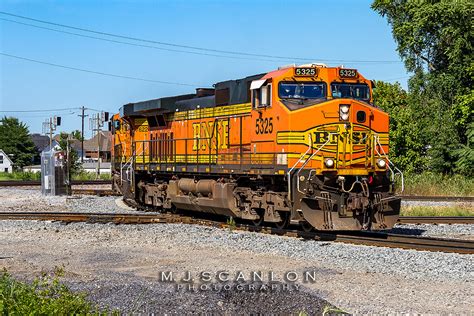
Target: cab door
point(262, 127)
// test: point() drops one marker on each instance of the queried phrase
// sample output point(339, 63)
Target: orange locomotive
point(301, 144)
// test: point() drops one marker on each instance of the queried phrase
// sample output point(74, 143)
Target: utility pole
point(98, 144)
point(83, 116)
point(96, 123)
point(51, 134)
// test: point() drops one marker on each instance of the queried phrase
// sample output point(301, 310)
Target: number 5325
point(264, 125)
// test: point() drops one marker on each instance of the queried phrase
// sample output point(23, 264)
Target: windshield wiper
point(295, 98)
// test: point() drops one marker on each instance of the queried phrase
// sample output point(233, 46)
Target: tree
point(75, 166)
point(407, 141)
point(76, 134)
point(16, 142)
point(435, 40)
point(434, 35)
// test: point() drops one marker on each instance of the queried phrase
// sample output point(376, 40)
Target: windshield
point(300, 90)
point(350, 90)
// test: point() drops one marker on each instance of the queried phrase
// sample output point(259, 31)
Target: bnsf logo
point(358, 138)
point(211, 135)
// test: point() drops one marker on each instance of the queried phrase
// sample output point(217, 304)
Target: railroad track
point(18, 183)
point(99, 192)
point(437, 198)
point(436, 220)
point(21, 183)
point(358, 238)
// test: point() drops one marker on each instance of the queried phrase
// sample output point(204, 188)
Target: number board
point(305, 72)
point(348, 73)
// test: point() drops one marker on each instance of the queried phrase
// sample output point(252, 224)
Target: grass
point(44, 296)
point(460, 210)
point(20, 175)
point(91, 176)
point(433, 184)
point(26, 176)
point(232, 224)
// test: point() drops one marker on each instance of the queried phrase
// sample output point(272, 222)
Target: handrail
point(377, 139)
point(310, 147)
point(309, 159)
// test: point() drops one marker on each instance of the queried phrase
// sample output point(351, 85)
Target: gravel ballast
point(119, 265)
point(104, 256)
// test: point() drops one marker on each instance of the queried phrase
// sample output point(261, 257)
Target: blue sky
point(317, 30)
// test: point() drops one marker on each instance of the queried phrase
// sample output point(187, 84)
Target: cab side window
point(262, 97)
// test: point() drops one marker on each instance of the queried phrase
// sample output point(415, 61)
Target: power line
point(137, 45)
point(43, 115)
point(51, 110)
point(193, 47)
point(98, 72)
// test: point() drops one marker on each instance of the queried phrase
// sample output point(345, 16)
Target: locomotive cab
point(336, 144)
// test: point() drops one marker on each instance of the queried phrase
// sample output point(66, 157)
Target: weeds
point(30, 176)
point(46, 295)
point(20, 175)
point(333, 310)
point(433, 184)
point(231, 223)
point(91, 176)
point(461, 210)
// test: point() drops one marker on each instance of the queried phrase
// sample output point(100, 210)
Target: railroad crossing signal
point(49, 126)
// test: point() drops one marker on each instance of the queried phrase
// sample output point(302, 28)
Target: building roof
point(105, 138)
point(40, 141)
point(5, 156)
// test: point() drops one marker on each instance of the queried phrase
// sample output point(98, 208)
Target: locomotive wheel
point(307, 227)
point(285, 220)
point(173, 209)
point(259, 221)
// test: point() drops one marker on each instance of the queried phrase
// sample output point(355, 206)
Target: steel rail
point(21, 183)
point(99, 192)
point(435, 198)
point(87, 217)
point(358, 238)
point(412, 242)
point(436, 220)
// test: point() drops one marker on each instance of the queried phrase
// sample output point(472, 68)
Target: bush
point(45, 296)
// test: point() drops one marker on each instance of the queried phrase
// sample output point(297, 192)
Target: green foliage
point(20, 175)
point(329, 310)
point(76, 134)
point(434, 34)
point(232, 224)
point(407, 140)
point(76, 165)
point(435, 40)
point(45, 296)
point(465, 154)
point(435, 184)
point(83, 175)
point(16, 141)
point(436, 211)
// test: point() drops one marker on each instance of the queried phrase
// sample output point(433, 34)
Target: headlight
point(344, 112)
point(344, 108)
point(381, 163)
point(329, 163)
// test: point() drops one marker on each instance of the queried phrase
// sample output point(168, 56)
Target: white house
point(6, 164)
